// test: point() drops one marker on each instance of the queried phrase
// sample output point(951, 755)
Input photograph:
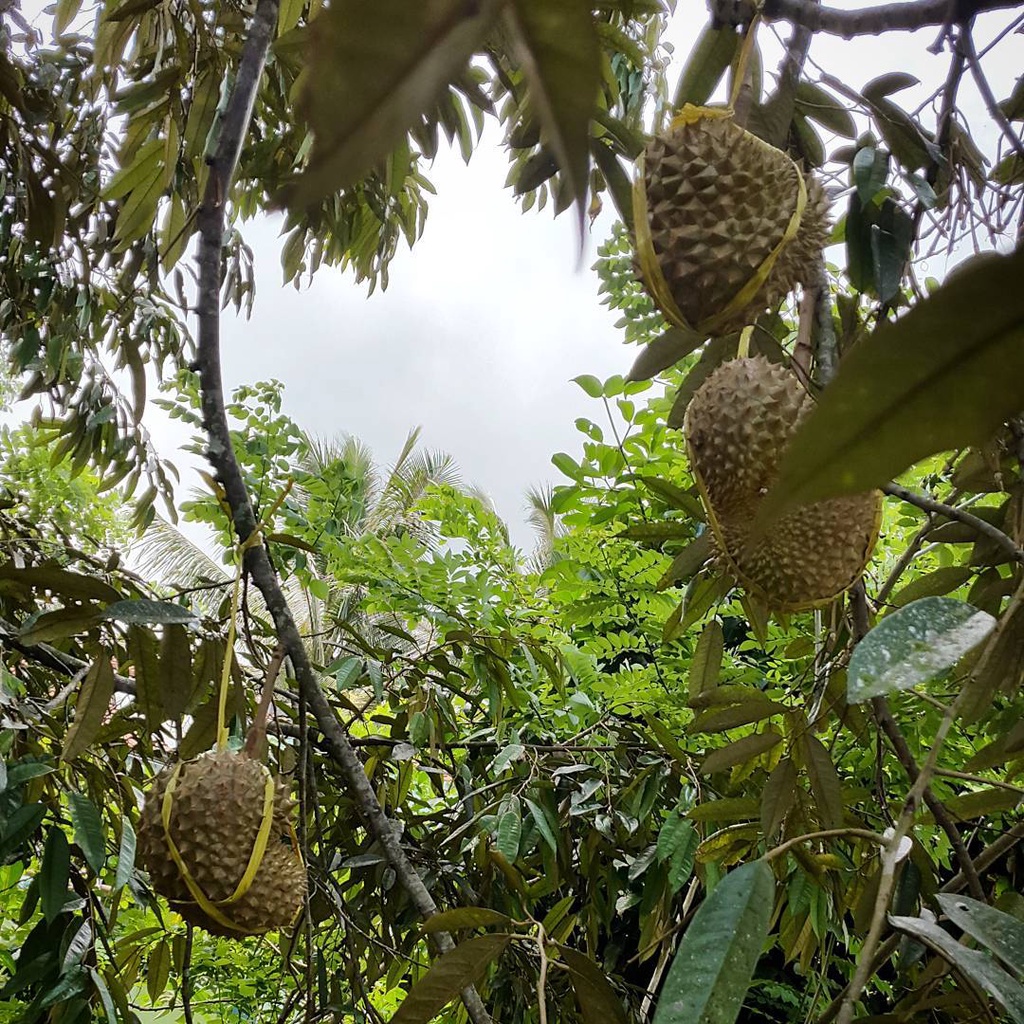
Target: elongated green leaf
point(711, 55)
point(90, 708)
point(144, 654)
point(687, 562)
point(740, 751)
point(715, 961)
point(448, 976)
point(562, 60)
point(598, 1002)
point(544, 827)
point(1000, 933)
point(828, 795)
point(374, 68)
point(934, 584)
point(58, 624)
point(465, 917)
point(883, 85)
point(153, 613)
point(60, 582)
point(107, 1001)
point(158, 969)
point(979, 967)
point(88, 830)
point(725, 718)
point(510, 829)
point(778, 797)
point(917, 643)
point(945, 375)
point(707, 660)
point(20, 825)
point(125, 853)
point(175, 669)
point(666, 350)
point(674, 833)
point(54, 873)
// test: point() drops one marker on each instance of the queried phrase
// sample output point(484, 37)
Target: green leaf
point(60, 582)
point(1000, 933)
point(19, 826)
point(374, 68)
point(933, 584)
point(676, 832)
point(598, 1002)
point(448, 976)
point(59, 624)
point(712, 53)
point(688, 562)
point(109, 1009)
point(142, 612)
point(821, 106)
point(464, 917)
point(88, 830)
point(715, 961)
point(125, 853)
point(158, 969)
point(825, 784)
point(567, 465)
point(91, 708)
point(777, 797)
point(590, 384)
point(175, 669)
point(562, 63)
point(979, 967)
point(54, 873)
point(913, 645)
point(664, 351)
point(540, 819)
point(707, 659)
point(510, 829)
point(723, 719)
point(883, 85)
point(145, 657)
point(740, 751)
point(945, 375)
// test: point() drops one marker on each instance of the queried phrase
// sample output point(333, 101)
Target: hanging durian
point(727, 225)
point(217, 838)
point(737, 427)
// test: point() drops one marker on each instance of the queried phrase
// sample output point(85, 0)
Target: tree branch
point(952, 512)
point(894, 17)
point(211, 224)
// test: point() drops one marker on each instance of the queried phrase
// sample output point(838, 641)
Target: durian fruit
point(217, 807)
point(737, 426)
point(719, 200)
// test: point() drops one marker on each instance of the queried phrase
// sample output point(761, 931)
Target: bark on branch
point(211, 225)
point(905, 16)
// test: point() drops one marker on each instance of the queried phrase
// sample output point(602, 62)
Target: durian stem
point(258, 730)
point(229, 650)
point(211, 223)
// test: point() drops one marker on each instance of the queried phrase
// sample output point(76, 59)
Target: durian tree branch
point(983, 527)
point(905, 16)
point(211, 227)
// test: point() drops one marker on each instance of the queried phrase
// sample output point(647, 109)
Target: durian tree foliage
point(605, 787)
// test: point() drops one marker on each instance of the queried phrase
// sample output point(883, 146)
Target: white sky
point(490, 315)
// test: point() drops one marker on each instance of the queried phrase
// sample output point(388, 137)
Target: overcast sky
point(490, 315)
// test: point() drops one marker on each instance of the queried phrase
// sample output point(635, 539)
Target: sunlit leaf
point(1001, 933)
point(913, 645)
point(945, 375)
point(711, 972)
point(145, 612)
point(932, 584)
point(740, 751)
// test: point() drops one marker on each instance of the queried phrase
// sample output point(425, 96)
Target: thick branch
point(905, 16)
point(211, 223)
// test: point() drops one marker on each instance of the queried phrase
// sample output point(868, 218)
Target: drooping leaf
point(715, 961)
point(20, 825)
point(544, 826)
point(664, 351)
point(687, 562)
point(917, 643)
point(125, 853)
point(979, 967)
point(90, 708)
point(674, 833)
point(1000, 933)
point(777, 797)
point(158, 969)
point(175, 669)
point(598, 1002)
point(54, 873)
point(933, 584)
point(88, 830)
point(144, 653)
point(374, 68)
point(947, 374)
point(825, 784)
point(510, 829)
point(448, 976)
point(712, 53)
point(464, 917)
point(707, 660)
point(562, 61)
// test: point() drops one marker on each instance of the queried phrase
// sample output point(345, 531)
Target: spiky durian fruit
point(737, 426)
point(719, 200)
point(217, 807)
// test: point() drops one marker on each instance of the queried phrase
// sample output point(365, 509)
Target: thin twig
point(211, 225)
point(991, 103)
